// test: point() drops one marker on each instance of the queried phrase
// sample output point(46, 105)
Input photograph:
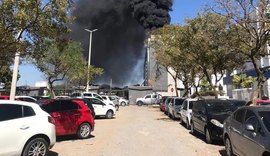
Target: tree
point(208, 39)
point(250, 21)
point(243, 81)
point(78, 77)
point(171, 53)
point(27, 23)
point(60, 59)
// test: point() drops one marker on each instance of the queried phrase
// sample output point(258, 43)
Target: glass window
point(185, 105)
point(239, 115)
point(52, 107)
point(76, 94)
point(28, 99)
point(69, 105)
point(265, 117)
point(87, 94)
point(104, 98)
point(10, 111)
point(148, 97)
point(112, 98)
point(96, 101)
point(190, 106)
point(215, 107)
point(252, 120)
point(28, 111)
point(179, 102)
point(154, 96)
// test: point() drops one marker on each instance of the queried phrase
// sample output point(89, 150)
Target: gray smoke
point(118, 45)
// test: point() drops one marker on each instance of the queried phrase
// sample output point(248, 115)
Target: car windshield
point(179, 102)
point(265, 117)
point(216, 107)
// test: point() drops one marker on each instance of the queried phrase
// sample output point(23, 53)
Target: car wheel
point(37, 146)
point(173, 116)
point(116, 107)
point(180, 120)
point(139, 103)
point(123, 104)
point(84, 131)
point(109, 114)
point(208, 138)
point(228, 147)
point(192, 129)
point(187, 124)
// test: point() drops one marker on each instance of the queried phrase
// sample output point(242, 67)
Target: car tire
point(139, 103)
point(173, 116)
point(36, 146)
point(228, 147)
point(109, 114)
point(192, 128)
point(84, 131)
point(187, 124)
point(208, 138)
point(123, 104)
point(116, 107)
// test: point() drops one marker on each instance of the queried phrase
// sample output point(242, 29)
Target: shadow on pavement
point(166, 119)
point(202, 137)
point(103, 118)
point(69, 138)
point(223, 152)
point(52, 153)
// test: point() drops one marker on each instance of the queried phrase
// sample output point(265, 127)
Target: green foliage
point(25, 24)
point(243, 81)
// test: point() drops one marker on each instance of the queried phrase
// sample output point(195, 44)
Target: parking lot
point(137, 131)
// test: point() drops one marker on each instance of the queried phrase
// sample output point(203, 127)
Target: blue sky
point(182, 9)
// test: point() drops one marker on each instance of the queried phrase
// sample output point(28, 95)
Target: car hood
point(139, 99)
point(219, 117)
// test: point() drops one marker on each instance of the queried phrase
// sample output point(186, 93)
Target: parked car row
point(245, 130)
point(31, 128)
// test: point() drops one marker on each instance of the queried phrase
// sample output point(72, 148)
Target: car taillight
point(51, 120)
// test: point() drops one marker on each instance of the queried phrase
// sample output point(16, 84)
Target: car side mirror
point(250, 128)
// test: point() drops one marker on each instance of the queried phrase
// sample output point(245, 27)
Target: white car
point(174, 107)
point(90, 95)
point(102, 109)
point(111, 100)
point(25, 129)
point(123, 102)
point(148, 99)
point(186, 111)
point(26, 98)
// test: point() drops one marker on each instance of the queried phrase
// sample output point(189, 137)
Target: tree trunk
point(186, 89)
point(261, 80)
point(175, 86)
point(51, 89)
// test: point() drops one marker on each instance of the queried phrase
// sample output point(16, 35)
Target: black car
point(208, 116)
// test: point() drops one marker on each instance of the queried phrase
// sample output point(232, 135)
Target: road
point(137, 131)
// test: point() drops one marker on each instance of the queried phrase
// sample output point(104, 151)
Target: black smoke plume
point(118, 45)
point(152, 14)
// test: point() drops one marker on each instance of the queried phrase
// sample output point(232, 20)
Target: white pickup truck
point(148, 99)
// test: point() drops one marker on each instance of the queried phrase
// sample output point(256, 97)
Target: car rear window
point(179, 102)
point(265, 117)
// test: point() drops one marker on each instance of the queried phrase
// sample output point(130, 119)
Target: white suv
point(186, 111)
point(25, 129)
point(102, 109)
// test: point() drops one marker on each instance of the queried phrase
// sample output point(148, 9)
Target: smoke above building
point(118, 45)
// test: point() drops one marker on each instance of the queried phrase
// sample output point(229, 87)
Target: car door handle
point(24, 127)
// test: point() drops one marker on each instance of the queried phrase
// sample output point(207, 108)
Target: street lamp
point(89, 55)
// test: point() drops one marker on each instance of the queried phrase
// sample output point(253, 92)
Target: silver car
point(247, 132)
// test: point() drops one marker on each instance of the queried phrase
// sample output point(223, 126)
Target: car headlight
point(216, 123)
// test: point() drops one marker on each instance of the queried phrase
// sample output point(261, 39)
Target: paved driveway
point(137, 131)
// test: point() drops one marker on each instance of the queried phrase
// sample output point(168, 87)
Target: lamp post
point(89, 56)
